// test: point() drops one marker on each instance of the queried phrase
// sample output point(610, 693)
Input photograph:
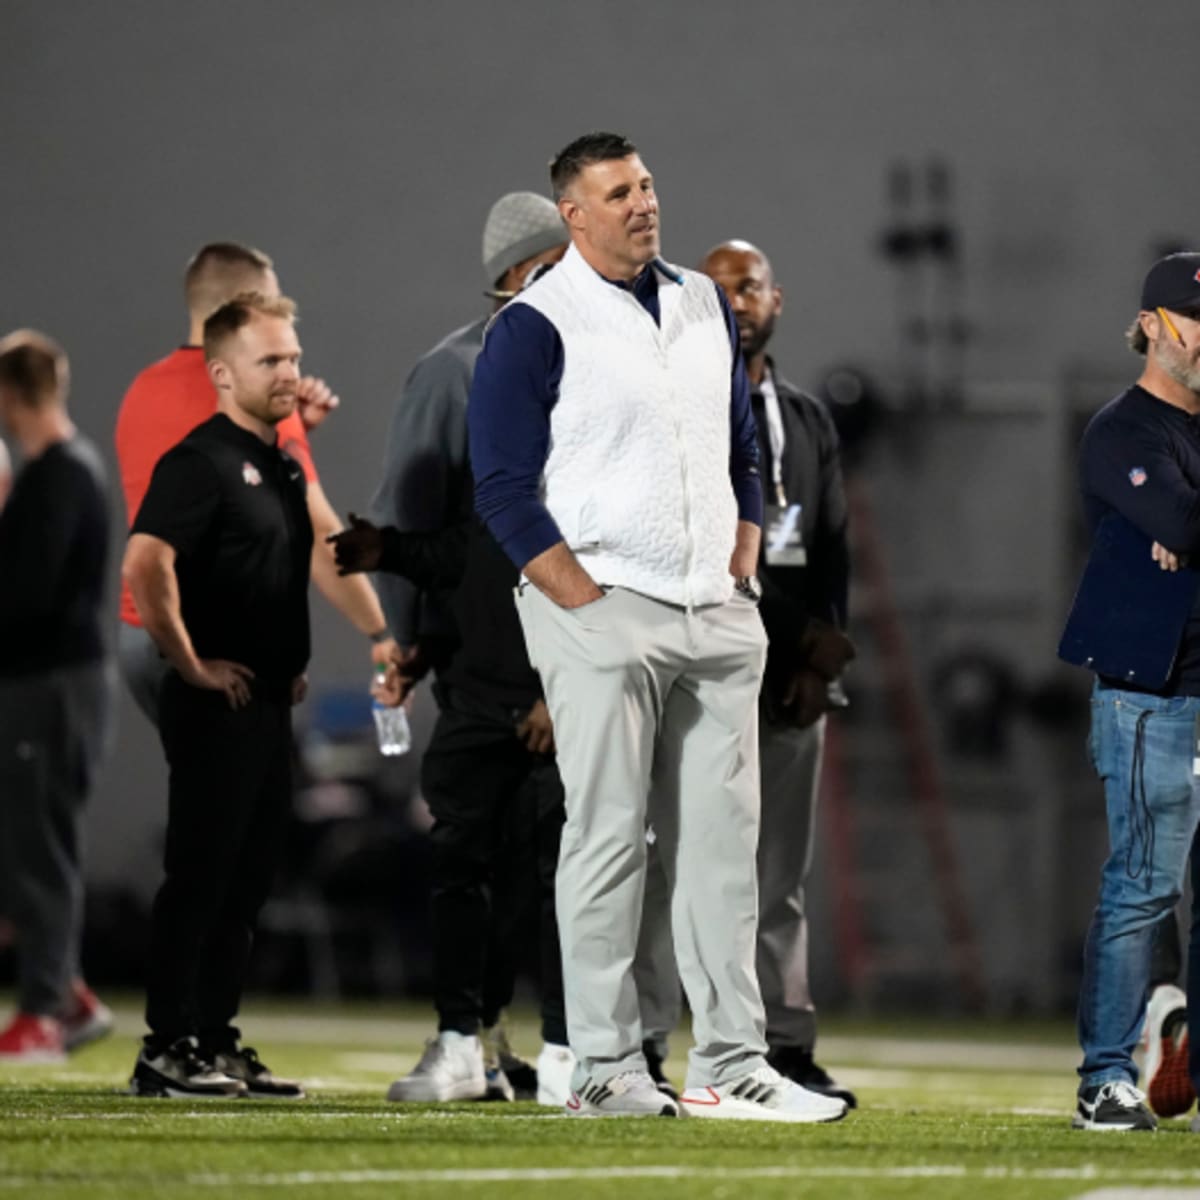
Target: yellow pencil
point(1162, 312)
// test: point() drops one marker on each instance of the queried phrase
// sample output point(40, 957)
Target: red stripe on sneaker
point(707, 1103)
point(573, 1103)
point(1170, 1091)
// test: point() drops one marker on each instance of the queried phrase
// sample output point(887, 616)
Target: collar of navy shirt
point(644, 285)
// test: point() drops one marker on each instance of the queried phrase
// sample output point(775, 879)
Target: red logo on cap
point(1196, 277)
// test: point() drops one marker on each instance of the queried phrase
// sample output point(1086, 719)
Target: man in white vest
point(615, 460)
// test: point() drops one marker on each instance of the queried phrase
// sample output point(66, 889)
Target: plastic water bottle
point(391, 724)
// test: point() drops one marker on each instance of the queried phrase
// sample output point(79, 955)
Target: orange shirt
point(163, 405)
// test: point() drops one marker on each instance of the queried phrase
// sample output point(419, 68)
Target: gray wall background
point(361, 143)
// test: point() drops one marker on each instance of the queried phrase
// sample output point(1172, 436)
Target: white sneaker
point(763, 1095)
point(555, 1065)
point(450, 1069)
point(1168, 1084)
point(629, 1094)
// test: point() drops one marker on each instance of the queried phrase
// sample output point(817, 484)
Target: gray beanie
point(519, 226)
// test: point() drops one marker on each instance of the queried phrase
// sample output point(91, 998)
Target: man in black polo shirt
point(1140, 476)
point(218, 562)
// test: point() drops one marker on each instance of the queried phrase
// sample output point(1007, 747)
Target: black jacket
point(812, 478)
point(487, 666)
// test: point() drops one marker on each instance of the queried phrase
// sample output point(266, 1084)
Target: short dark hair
point(582, 152)
point(235, 313)
point(34, 367)
point(1135, 337)
point(221, 269)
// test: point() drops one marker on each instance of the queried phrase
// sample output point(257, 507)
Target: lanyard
point(775, 435)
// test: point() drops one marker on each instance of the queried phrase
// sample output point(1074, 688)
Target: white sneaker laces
point(1125, 1094)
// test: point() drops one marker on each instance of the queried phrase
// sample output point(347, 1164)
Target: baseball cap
point(1173, 282)
point(519, 225)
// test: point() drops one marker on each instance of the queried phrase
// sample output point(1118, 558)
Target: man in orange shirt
point(174, 395)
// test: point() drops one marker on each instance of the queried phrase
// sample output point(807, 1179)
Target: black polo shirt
point(234, 510)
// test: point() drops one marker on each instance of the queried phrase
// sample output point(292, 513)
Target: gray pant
point(790, 762)
point(53, 733)
point(791, 768)
point(142, 667)
point(660, 1000)
point(648, 698)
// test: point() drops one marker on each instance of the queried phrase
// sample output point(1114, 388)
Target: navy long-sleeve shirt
point(1140, 457)
point(508, 418)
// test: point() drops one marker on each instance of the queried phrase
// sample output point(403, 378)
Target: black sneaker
point(243, 1064)
point(178, 1071)
point(498, 1086)
point(521, 1075)
point(508, 1075)
point(796, 1062)
point(1115, 1105)
point(654, 1067)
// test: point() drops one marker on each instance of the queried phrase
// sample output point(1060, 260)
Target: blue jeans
point(1142, 748)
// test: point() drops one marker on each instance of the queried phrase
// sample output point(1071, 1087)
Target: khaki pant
point(648, 698)
point(790, 765)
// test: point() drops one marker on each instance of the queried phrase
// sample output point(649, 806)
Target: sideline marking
point(1087, 1172)
point(290, 1114)
point(1141, 1194)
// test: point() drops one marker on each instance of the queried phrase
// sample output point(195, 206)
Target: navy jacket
point(1140, 459)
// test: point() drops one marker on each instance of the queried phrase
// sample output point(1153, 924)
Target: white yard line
point(291, 1110)
point(1087, 1173)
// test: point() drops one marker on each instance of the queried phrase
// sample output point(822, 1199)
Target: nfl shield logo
point(250, 474)
point(1137, 476)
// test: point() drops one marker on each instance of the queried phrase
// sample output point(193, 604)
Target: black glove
point(358, 548)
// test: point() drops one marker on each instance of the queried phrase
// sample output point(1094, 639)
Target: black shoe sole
point(523, 1079)
point(152, 1084)
point(1080, 1121)
point(147, 1091)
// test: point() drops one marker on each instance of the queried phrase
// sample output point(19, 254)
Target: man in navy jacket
point(1140, 474)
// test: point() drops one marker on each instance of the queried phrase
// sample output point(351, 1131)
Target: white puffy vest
point(637, 476)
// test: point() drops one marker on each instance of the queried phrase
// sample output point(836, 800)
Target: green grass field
point(947, 1110)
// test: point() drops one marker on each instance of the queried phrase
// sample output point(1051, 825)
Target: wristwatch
point(748, 586)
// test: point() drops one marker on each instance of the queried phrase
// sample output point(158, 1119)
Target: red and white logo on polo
point(250, 474)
